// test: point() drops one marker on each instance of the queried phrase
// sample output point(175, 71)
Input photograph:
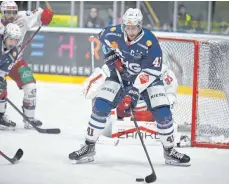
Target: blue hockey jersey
point(142, 57)
point(7, 57)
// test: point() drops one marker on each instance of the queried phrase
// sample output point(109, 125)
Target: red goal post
point(198, 64)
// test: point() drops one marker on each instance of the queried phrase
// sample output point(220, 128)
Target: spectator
point(111, 18)
point(184, 18)
point(197, 26)
point(94, 21)
point(224, 27)
point(166, 27)
point(149, 27)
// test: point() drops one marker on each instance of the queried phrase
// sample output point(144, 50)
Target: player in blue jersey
point(137, 55)
point(8, 56)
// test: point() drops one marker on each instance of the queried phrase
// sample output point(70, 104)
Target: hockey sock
point(95, 127)
point(165, 127)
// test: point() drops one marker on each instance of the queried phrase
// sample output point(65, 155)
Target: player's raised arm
point(36, 17)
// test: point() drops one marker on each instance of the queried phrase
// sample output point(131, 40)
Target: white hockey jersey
point(170, 83)
point(25, 20)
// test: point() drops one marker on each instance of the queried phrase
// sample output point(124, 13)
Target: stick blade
point(53, 131)
point(48, 131)
point(151, 178)
point(17, 156)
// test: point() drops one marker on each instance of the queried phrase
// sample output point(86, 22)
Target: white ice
point(45, 157)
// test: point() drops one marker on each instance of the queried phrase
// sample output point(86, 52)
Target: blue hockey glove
point(112, 61)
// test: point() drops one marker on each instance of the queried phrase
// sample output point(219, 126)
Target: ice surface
point(45, 157)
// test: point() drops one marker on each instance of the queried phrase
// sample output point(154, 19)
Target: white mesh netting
point(212, 125)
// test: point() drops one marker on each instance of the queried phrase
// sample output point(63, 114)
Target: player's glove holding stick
point(112, 61)
point(46, 16)
point(131, 93)
point(130, 99)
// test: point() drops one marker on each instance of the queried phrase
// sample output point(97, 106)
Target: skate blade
point(83, 160)
point(175, 163)
point(27, 126)
point(30, 127)
point(7, 128)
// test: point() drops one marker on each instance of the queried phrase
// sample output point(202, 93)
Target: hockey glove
point(112, 61)
point(130, 99)
point(3, 91)
point(46, 16)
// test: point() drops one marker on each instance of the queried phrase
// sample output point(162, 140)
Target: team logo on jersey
point(168, 80)
point(114, 45)
point(144, 78)
point(28, 13)
point(14, 54)
point(148, 43)
point(113, 29)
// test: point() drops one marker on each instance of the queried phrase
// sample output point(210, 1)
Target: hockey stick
point(40, 130)
point(152, 177)
point(29, 40)
point(16, 157)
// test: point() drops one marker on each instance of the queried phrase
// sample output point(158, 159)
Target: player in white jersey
point(21, 72)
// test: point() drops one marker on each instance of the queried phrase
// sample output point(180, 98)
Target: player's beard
point(11, 20)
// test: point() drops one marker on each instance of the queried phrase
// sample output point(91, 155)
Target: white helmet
point(7, 6)
point(132, 16)
point(12, 31)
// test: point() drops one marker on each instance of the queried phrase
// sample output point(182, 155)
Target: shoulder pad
point(149, 38)
point(111, 31)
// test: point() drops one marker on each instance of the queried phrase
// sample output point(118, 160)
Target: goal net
point(202, 70)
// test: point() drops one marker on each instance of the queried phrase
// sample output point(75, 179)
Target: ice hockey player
point(8, 56)
point(136, 54)
point(21, 73)
point(94, 83)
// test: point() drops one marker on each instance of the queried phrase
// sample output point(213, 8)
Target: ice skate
point(5, 123)
point(173, 157)
point(84, 154)
point(27, 125)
